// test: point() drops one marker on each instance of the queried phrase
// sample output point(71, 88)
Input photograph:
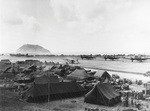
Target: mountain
point(33, 50)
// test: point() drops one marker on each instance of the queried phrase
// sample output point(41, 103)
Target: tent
point(60, 72)
point(45, 79)
point(129, 110)
point(24, 79)
point(48, 67)
point(43, 92)
point(30, 69)
point(30, 61)
point(104, 74)
point(9, 72)
point(147, 85)
point(7, 75)
point(3, 66)
point(47, 73)
point(5, 61)
point(102, 94)
point(78, 74)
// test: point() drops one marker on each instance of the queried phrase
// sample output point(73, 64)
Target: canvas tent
point(104, 74)
point(24, 79)
point(60, 72)
point(9, 72)
point(40, 91)
point(30, 69)
point(4, 67)
point(102, 94)
point(45, 79)
point(48, 68)
point(129, 110)
point(5, 61)
point(47, 73)
point(78, 74)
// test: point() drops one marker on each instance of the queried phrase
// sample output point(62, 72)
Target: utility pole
point(48, 88)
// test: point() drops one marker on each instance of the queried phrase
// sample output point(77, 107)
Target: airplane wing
point(129, 58)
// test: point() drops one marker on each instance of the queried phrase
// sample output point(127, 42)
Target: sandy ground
point(10, 103)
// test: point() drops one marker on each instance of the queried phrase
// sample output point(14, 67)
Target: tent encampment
point(102, 94)
point(78, 74)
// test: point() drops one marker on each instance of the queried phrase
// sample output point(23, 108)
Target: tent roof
point(102, 73)
point(47, 73)
point(32, 67)
point(78, 74)
point(9, 72)
point(10, 69)
point(107, 90)
point(48, 67)
point(7, 69)
point(59, 88)
point(57, 71)
point(45, 79)
point(3, 67)
point(102, 94)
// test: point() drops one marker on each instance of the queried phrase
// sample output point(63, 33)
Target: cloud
point(12, 21)
point(30, 23)
point(86, 9)
point(87, 16)
point(70, 10)
point(11, 14)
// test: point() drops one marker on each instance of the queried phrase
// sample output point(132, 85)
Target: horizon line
point(87, 53)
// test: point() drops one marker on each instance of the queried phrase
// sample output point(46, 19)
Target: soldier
point(123, 99)
point(127, 99)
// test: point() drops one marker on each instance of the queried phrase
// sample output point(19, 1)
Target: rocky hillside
point(33, 49)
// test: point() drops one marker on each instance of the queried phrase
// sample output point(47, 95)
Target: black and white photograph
point(74, 55)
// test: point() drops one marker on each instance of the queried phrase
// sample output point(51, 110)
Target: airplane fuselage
point(111, 57)
point(140, 59)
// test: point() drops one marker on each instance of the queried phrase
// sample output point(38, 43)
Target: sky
point(76, 26)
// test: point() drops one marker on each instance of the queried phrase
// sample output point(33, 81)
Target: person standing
point(127, 99)
point(123, 99)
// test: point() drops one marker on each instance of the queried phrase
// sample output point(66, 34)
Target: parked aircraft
point(138, 58)
point(111, 57)
point(88, 57)
point(71, 61)
point(147, 74)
